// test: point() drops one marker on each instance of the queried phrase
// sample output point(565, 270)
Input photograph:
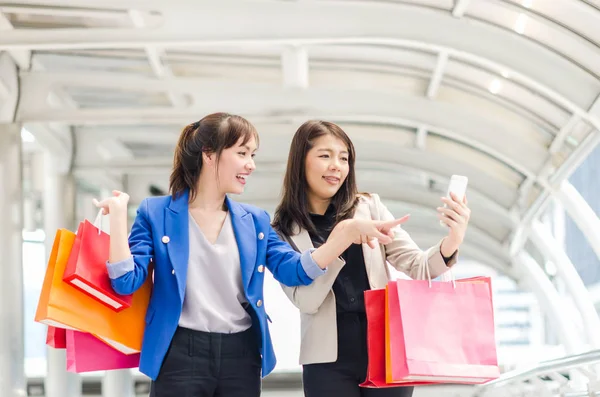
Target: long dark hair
point(213, 134)
point(293, 208)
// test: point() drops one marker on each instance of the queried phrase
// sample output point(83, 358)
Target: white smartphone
point(458, 186)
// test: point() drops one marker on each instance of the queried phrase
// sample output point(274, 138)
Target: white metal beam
point(9, 89)
point(21, 57)
point(58, 11)
point(57, 140)
point(550, 301)
point(154, 55)
point(561, 174)
point(390, 155)
point(438, 74)
point(58, 208)
point(456, 123)
point(5, 90)
point(564, 132)
point(524, 191)
point(460, 7)
point(113, 150)
point(594, 110)
point(258, 23)
point(132, 133)
point(421, 138)
point(549, 247)
point(13, 381)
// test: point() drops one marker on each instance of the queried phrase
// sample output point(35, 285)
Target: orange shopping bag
point(63, 306)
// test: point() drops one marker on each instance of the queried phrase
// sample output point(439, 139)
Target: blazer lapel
point(245, 235)
point(362, 212)
point(177, 238)
point(302, 240)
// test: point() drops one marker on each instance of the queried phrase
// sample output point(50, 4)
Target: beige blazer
point(317, 301)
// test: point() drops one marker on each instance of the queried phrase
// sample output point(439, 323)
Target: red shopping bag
point(86, 268)
point(86, 353)
point(376, 325)
point(56, 337)
point(440, 332)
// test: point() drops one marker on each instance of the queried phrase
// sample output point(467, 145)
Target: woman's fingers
point(374, 239)
point(103, 205)
point(453, 205)
point(373, 243)
point(393, 223)
point(447, 220)
point(455, 216)
point(387, 227)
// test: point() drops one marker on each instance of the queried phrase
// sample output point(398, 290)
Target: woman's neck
point(208, 197)
point(318, 206)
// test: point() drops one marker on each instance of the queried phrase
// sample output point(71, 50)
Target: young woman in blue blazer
point(206, 326)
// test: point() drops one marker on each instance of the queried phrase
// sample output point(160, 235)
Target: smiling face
point(235, 165)
point(326, 167)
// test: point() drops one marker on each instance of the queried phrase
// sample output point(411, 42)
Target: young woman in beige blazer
point(319, 191)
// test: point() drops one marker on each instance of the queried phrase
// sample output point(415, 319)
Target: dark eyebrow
point(331, 151)
point(248, 148)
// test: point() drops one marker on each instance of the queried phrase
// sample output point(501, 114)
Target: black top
point(352, 281)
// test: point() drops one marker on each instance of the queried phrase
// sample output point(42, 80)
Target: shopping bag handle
point(425, 272)
point(448, 276)
point(98, 221)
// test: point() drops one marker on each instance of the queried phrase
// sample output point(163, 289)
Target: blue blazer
point(160, 236)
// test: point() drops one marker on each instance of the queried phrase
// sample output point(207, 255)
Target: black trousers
point(202, 364)
point(342, 377)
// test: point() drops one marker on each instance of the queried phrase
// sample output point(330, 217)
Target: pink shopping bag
point(87, 353)
point(440, 332)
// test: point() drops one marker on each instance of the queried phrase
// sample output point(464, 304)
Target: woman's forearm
point(119, 244)
point(339, 240)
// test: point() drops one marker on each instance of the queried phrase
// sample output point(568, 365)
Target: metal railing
point(570, 376)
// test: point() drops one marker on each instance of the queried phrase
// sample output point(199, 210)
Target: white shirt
point(214, 291)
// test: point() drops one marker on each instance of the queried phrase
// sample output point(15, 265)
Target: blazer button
point(259, 303)
point(261, 268)
point(261, 235)
point(165, 239)
point(173, 271)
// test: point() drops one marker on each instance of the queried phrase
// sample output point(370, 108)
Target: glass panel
point(585, 180)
